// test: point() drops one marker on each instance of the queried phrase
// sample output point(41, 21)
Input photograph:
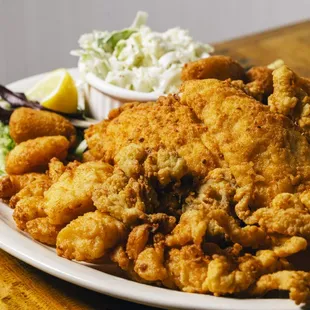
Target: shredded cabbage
point(139, 59)
point(6, 144)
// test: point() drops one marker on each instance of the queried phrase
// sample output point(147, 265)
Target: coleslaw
point(138, 58)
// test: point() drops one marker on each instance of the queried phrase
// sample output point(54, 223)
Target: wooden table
point(24, 287)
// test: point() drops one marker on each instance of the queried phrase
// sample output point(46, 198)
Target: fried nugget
point(26, 124)
point(71, 195)
point(34, 155)
point(213, 67)
point(89, 236)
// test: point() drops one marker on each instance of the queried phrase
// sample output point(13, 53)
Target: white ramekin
point(102, 97)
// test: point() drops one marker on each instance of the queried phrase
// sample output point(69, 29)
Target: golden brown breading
point(27, 209)
point(213, 67)
point(162, 165)
point(259, 82)
point(286, 215)
point(42, 230)
point(291, 97)
point(194, 223)
point(188, 268)
point(264, 151)
point(149, 264)
point(287, 246)
point(55, 169)
point(34, 155)
point(34, 189)
point(26, 124)
point(165, 124)
point(12, 184)
point(89, 236)
point(137, 240)
point(71, 195)
point(87, 156)
point(125, 198)
point(296, 282)
point(28, 202)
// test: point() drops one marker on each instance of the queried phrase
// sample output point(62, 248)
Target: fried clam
point(291, 97)
point(126, 199)
point(26, 124)
point(34, 155)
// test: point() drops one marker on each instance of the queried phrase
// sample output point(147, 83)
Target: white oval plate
point(44, 258)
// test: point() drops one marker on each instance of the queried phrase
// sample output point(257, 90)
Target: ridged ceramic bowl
point(102, 97)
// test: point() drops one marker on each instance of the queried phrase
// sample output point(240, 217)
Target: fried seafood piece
point(55, 169)
point(194, 271)
point(296, 282)
point(163, 165)
point(28, 209)
point(137, 240)
point(264, 151)
point(26, 124)
point(34, 189)
point(28, 202)
point(71, 195)
point(88, 237)
point(227, 275)
point(259, 83)
point(43, 231)
point(166, 124)
point(119, 256)
point(188, 268)
point(209, 215)
point(34, 155)
point(87, 156)
point(195, 221)
point(139, 237)
point(12, 184)
point(288, 214)
point(287, 246)
point(125, 198)
point(291, 97)
point(213, 67)
point(149, 264)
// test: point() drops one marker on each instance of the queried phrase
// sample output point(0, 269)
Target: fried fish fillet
point(165, 124)
point(264, 151)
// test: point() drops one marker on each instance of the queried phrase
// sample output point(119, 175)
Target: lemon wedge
point(56, 91)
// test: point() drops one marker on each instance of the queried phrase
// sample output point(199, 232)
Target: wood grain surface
point(24, 287)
